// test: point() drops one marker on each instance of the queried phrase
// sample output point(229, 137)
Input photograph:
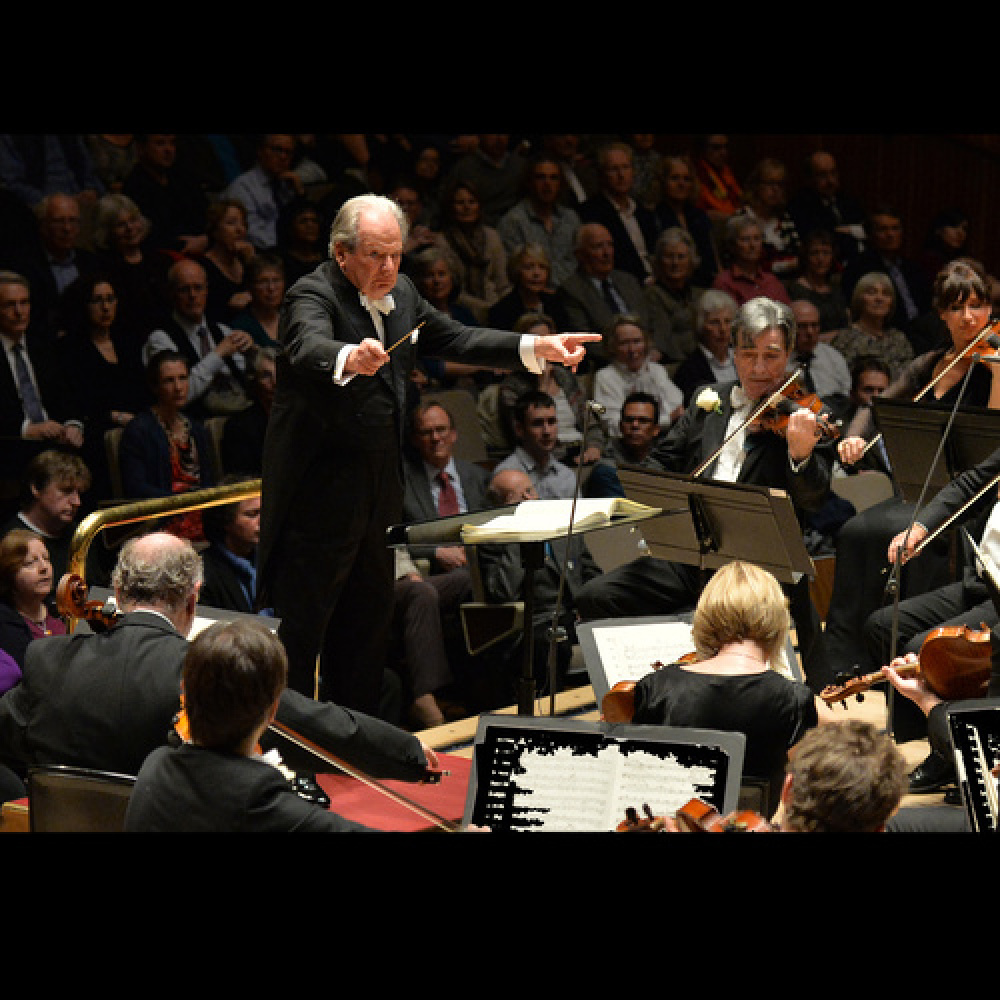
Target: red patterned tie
point(447, 498)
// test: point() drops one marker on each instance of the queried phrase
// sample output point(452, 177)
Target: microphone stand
point(893, 584)
point(556, 632)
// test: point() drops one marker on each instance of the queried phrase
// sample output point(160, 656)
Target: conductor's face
point(372, 266)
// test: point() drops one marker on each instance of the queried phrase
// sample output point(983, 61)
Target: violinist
point(962, 300)
point(971, 499)
point(106, 699)
point(218, 782)
point(716, 429)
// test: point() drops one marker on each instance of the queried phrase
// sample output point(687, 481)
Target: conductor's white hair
point(345, 225)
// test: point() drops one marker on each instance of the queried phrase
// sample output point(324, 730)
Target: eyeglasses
point(636, 420)
point(104, 300)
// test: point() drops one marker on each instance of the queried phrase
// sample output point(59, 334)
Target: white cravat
point(727, 467)
point(377, 308)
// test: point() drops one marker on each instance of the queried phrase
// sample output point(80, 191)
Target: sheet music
point(975, 737)
point(533, 780)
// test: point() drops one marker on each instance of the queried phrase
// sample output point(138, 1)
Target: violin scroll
point(71, 600)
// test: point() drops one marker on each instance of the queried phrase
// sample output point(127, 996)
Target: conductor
point(332, 482)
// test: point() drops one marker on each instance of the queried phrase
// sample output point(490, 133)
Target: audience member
point(233, 677)
point(164, 451)
point(172, 201)
point(56, 263)
point(631, 370)
point(266, 187)
point(638, 432)
point(105, 381)
point(536, 427)
point(766, 201)
point(474, 249)
point(420, 605)
point(820, 203)
point(406, 194)
point(27, 609)
point(112, 157)
point(439, 484)
point(745, 274)
point(884, 253)
point(597, 291)
point(232, 531)
point(51, 502)
point(845, 777)
point(226, 258)
point(529, 272)
point(579, 173)
point(214, 351)
point(672, 296)
point(735, 683)
point(138, 273)
point(242, 443)
point(264, 278)
point(678, 209)
point(300, 238)
point(713, 433)
point(106, 698)
point(434, 275)
point(541, 218)
point(818, 282)
point(35, 402)
point(871, 331)
point(503, 576)
point(947, 239)
point(719, 192)
point(493, 170)
point(33, 166)
point(632, 226)
point(825, 370)
point(961, 298)
point(711, 360)
point(647, 163)
point(581, 437)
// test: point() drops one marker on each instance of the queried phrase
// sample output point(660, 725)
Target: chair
point(77, 800)
point(863, 490)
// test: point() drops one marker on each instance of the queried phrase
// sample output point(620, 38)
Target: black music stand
point(912, 434)
point(727, 521)
point(448, 531)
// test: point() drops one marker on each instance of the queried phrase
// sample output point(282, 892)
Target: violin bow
point(400, 799)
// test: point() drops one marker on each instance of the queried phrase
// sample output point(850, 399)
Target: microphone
point(600, 409)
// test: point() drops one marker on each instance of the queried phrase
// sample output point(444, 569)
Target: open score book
point(537, 520)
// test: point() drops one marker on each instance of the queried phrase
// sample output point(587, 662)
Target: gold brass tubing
point(142, 510)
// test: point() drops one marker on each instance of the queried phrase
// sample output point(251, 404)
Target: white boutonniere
point(708, 399)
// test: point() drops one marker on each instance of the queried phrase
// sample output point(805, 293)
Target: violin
point(793, 397)
point(618, 705)
point(695, 816)
point(71, 600)
point(954, 661)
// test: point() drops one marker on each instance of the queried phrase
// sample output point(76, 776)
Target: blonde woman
point(739, 630)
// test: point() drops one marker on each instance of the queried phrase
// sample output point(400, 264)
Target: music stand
point(727, 521)
point(912, 433)
point(448, 531)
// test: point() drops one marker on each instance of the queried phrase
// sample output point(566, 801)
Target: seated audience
point(712, 359)
point(639, 429)
point(232, 531)
point(672, 296)
point(529, 272)
point(242, 442)
point(871, 331)
point(27, 606)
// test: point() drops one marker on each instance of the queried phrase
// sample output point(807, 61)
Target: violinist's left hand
point(802, 434)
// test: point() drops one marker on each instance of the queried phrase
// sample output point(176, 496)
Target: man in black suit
point(763, 338)
point(350, 334)
point(106, 698)
point(633, 226)
point(35, 410)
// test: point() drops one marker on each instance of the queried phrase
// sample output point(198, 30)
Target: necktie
point(609, 296)
point(26, 387)
point(205, 341)
point(447, 498)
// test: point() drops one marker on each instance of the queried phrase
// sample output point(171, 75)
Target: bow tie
point(384, 305)
point(738, 399)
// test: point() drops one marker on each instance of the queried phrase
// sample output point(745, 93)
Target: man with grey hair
point(351, 333)
point(106, 698)
point(715, 429)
